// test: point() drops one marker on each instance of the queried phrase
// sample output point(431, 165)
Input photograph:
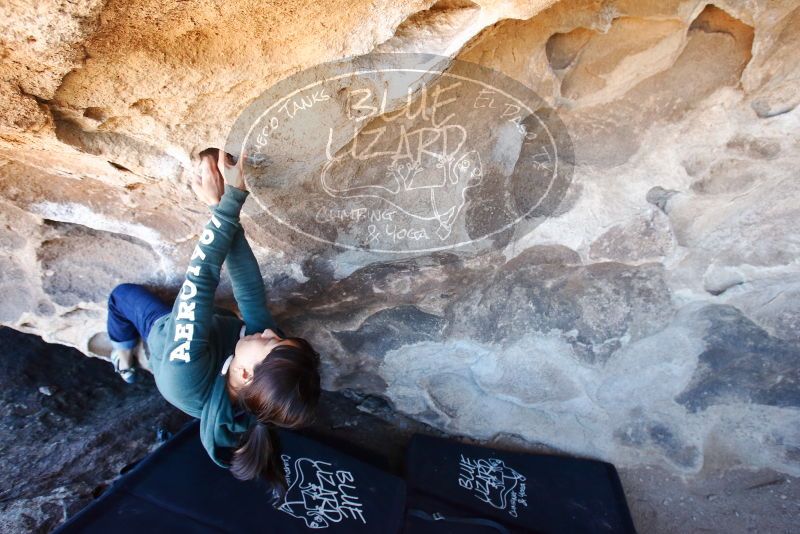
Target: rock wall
point(651, 319)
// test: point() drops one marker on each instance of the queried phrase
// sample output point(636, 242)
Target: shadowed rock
point(742, 363)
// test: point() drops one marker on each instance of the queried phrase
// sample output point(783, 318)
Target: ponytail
point(258, 456)
point(284, 392)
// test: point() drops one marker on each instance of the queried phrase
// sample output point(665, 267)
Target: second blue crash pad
point(462, 488)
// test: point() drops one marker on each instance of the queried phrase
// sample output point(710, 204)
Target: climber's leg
point(132, 310)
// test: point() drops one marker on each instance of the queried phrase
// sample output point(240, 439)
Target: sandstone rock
point(771, 79)
point(646, 314)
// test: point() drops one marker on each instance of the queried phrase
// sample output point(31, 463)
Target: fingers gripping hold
point(233, 174)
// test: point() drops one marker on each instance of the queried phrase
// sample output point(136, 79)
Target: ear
point(247, 375)
point(243, 373)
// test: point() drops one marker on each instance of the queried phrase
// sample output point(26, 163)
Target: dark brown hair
point(284, 392)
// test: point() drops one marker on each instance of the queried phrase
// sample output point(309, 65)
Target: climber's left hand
point(208, 183)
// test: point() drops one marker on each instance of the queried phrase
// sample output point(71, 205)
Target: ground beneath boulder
point(69, 426)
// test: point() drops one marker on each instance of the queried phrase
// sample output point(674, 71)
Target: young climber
point(238, 376)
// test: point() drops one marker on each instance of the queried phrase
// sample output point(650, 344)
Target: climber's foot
point(123, 364)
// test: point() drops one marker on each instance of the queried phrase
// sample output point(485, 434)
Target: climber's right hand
point(233, 174)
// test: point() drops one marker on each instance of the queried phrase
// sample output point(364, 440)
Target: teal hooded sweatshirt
point(189, 346)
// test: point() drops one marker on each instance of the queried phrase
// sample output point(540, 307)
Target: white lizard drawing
point(429, 183)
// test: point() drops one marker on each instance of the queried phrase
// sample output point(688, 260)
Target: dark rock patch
point(641, 431)
point(600, 303)
point(389, 329)
point(82, 264)
point(742, 363)
point(68, 426)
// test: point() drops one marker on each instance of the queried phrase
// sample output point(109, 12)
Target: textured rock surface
point(69, 427)
point(653, 319)
point(80, 438)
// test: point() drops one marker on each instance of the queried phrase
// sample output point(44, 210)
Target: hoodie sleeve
point(248, 286)
point(188, 371)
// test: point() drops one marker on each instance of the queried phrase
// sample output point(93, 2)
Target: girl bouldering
point(240, 377)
